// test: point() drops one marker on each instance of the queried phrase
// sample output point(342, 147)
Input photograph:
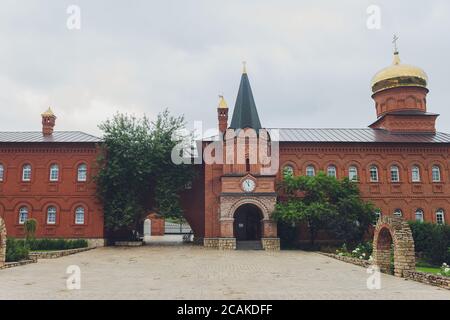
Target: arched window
point(23, 215)
point(54, 172)
point(353, 173)
point(419, 215)
point(331, 171)
point(395, 174)
point(398, 213)
point(415, 174)
point(26, 172)
point(79, 215)
point(82, 173)
point(373, 171)
point(310, 171)
point(288, 171)
point(51, 215)
point(2, 172)
point(440, 219)
point(436, 174)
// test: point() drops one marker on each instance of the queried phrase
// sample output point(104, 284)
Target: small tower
point(48, 122)
point(222, 114)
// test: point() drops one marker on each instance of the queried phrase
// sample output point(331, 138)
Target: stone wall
point(271, 244)
point(355, 261)
point(220, 243)
point(56, 254)
point(428, 278)
point(2, 242)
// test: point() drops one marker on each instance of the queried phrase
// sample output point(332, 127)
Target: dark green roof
point(245, 114)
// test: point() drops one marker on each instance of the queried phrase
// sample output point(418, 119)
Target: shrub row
point(55, 244)
point(16, 250)
point(432, 241)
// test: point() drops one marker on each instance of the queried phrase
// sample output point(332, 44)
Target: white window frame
point(419, 211)
point(26, 172)
point(415, 174)
point(373, 178)
point(287, 168)
point(434, 177)
point(51, 211)
point(395, 173)
point(353, 173)
point(440, 215)
point(333, 170)
point(310, 171)
point(80, 212)
point(398, 213)
point(54, 172)
point(82, 172)
point(23, 212)
point(2, 172)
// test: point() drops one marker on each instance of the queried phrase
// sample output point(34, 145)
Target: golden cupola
point(399, 75)
point(400, 95)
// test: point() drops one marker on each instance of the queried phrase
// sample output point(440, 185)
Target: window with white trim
point(310, 171)
point(419, 215)
point(398, 213)
point(353, 173)
point(79, 215)
point(82, 173)
point(373, 172)
point(440, 219)
point(23, 215)
point(26, 172)
point(378, 215)
point(2, 172)
point(331, 171)
point(288, 171)
point(51, 215)
point(415, 174)
point(54, 172)
point(395, 174)
point(436, 174)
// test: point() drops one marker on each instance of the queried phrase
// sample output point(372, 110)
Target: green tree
point(136, 173)
point(325, 203)
point(30, 227)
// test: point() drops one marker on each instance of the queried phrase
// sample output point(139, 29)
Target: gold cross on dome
point(394, 41)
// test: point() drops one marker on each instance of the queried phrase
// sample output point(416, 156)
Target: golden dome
point(399, 75)
point(222, 103)
point(48, 113)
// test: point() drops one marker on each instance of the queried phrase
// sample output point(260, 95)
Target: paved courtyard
point(188, 272)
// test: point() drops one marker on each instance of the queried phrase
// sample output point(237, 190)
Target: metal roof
point(364, 135)
point(38, 137)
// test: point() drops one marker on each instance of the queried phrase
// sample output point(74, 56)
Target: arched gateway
point(393, 232)
point(2, 242)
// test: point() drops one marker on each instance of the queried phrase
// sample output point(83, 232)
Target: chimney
point(222, 114)
point(48, 122)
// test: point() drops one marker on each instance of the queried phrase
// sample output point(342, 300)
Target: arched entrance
point(2, 242)
point(248, 223)
point(393, 233)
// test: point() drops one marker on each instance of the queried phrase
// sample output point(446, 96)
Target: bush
point(55, 244)
point(432, 241)
point(362, 251)
point(16, 250)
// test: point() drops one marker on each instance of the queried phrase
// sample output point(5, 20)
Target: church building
point(399, 161)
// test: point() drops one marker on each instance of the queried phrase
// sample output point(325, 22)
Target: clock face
point(248, 185)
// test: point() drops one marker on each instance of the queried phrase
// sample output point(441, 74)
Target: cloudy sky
point(310, 62)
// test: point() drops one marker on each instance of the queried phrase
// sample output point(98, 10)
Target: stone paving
point(190, 272)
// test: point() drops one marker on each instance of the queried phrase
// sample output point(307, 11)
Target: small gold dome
point(399, 75)
point(48, 113)
point(222, 103)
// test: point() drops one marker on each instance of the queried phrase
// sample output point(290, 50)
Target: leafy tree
point(136, 171)
point(30, 227)
point(325, 203)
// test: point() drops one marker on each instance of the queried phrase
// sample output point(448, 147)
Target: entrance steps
point(249, 245)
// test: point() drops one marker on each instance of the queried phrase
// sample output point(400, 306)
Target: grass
point(433, 270)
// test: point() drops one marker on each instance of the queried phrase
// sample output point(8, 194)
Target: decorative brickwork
point(394, 230)
point(2, 242)
point(271, 244)
point(226, 244)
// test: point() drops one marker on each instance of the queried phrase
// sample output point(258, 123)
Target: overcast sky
point(310, 62)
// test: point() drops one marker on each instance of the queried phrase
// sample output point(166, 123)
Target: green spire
point(245, 114)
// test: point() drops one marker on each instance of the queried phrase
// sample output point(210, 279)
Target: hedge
point(55, 244)
point(16, 250)
point(432, 241)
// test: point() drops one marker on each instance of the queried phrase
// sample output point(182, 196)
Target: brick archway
point(2, 242)
point(393, 231)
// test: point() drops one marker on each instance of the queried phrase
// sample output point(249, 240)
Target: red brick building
point(400, 163)
point(48, 176)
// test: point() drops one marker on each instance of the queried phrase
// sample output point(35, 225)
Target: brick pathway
point(186, 272)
